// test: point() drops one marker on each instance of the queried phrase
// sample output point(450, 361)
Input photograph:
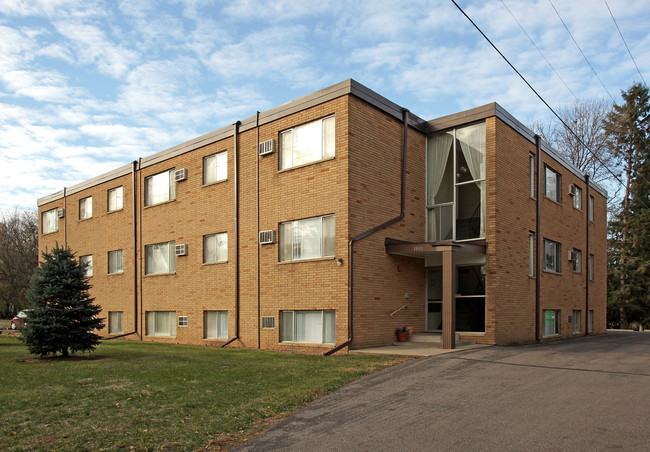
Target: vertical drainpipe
point(236, 183)
point(538, 238)
point(140, 247)
point(353, 240)
point(135, 247)
point(65, 217)
point(587, 256)
point(257, 200)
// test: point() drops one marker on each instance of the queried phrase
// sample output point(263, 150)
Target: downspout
point(257, 200)
point(236, 183)
point(65, 217)
point(140, 272)
point(134, 167)
point(371, 231)
point(588, 260)
point(538, 239)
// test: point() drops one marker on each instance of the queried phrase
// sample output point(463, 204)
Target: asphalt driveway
point(583, 394)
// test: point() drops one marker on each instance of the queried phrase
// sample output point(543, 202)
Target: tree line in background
point(612, 145)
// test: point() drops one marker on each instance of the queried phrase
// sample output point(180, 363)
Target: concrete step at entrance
point(431, 340)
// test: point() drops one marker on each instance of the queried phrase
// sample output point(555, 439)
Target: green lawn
point(143, 396)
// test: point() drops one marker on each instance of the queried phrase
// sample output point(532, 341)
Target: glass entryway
point(434, 300)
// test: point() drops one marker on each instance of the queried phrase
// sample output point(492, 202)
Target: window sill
point(84, 219)
point(160, 203)
point(159, 274)
point(551, 272)
point(559, 203)
point(307, 164)
point(114, 211)
point(215, 339)
point(43, 234)
point(217, 182)
point(214, 263)
point(314, 259)
point(159, 336)
point(550, 336)
point(115, 273)
point(309, 344)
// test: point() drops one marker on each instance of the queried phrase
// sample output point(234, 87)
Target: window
point(531, 254)
point(115, 262)
point(159, 188)
point(115, 199)
point(215, 247)
point(86, 208)
point(215, 324)
point(531, 162)
point(591, 208)
point(87, 262)
point(307, 239)
point(115, 322)
point(590, 321)
point(50, 221)
point(591, 267)
point(551, 256)
point(183, 320)
point(552, 184)
point(215, 168)
point(161, 323)
point(551, 322)
point(308, 326)
point(577, 261)
point(307, 143)
point(577, 322)
point(160, 258)
point(577, 197)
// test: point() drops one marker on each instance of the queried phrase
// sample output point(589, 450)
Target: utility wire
point(628, 49)
point(583, 54)
point(540, 52)
point(542, 99)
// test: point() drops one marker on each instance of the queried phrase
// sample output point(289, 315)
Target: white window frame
point(115, 262)
point(159, 188)
point(556, 268)
point(291, 232)
point(87, 258)
point(183, 321)
point(115, 199)
point(320, 145)
point(86, 208)
point(591, 208)
point(531, 162)
point(577, 321)
point(577, 261)
point(290, 326)
point(556, 327)
point(149, 251)
point(220, 248)
point(557, 184)
point(218, 324)
point(220, 160)
point(577, 197)
point(156, 318)
point(115, 322)
point(50, 221)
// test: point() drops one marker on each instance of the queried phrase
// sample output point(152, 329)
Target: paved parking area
point(583, 394)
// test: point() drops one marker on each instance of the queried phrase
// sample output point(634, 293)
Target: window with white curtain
point(161, 323)
point(159, 188)
point(577, 198)
point(317, 327)
point(160, 258)
point(215, 168)
point(115, 322)
point(115, 262)
point(577, 322)
point(215, 324)
point(86, 208)
point(577, 261)
point(115, 199)
point(309, 238)
point(531, 174)
point(531, 254)
point(215, 247)
point(87, 262)
point(307, 143)
point(552, 184)
point(50, 221)
point(591, 208)
point(551, 256)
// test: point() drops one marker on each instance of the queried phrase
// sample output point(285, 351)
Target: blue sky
point(88, 86)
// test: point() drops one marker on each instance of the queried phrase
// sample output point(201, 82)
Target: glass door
point(434, 300)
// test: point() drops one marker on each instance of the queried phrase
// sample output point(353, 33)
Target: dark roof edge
point(494, 109)
point(348, 86)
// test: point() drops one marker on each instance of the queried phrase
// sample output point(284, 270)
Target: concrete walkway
point(413, 349)
point(586, 394)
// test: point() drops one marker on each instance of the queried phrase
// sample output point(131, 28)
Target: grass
point(5, 323)
point(144, 396)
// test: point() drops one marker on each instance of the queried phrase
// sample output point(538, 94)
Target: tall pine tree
point(629, 247)
point(63, 315)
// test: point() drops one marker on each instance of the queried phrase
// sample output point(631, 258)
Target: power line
point(628, 49)
point(540, 52)
point(541, 98)
point(583, 54)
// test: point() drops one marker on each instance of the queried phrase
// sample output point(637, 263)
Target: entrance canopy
point(423, 250)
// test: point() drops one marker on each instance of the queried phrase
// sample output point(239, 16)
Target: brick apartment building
point(330, 221)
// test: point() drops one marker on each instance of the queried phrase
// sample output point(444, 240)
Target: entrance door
point(434, 300)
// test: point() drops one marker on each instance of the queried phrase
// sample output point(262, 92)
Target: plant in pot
point(402, 334)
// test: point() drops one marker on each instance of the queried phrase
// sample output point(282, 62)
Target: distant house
point(328, 222)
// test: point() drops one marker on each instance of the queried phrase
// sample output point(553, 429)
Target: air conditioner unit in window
point(266, 147)
point(267, 237)
point(572, 190)
point(268, 323)
point(181, 249)
point(180, 174)
point(572, 255)
point(60, 213)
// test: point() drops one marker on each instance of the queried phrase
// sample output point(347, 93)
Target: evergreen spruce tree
point(63, 315)
point(629, 247)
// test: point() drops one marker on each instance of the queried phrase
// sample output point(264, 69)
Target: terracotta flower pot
point(402, 337)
